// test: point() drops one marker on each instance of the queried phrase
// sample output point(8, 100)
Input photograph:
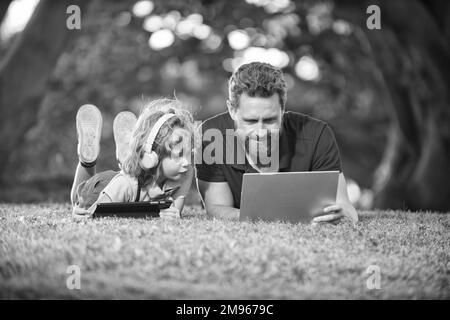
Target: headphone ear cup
point(149, 160)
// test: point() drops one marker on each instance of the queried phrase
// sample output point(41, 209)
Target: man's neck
point(262, 169)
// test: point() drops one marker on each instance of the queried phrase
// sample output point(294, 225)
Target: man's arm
point(218, 200)
point(343, 200)
point(342, 208)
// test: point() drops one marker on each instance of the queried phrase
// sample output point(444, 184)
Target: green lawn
point(198, 258)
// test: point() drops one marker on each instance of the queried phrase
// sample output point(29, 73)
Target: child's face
point(177, 164)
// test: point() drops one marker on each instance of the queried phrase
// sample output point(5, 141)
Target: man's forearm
point(222, 212)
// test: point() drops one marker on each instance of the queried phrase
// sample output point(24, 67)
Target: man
point(256, 110)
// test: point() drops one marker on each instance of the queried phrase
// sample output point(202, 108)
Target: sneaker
point(89, 130)
point(123, 126)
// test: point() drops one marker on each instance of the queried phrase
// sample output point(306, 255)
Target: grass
point(198, 258)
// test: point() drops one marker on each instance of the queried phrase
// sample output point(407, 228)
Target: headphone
point(150, 158)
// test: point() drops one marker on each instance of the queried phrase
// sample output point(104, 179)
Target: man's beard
point(262, 150)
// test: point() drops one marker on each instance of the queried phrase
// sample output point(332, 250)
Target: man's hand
point(171, 213)
point(335, 213)
point(343, 208)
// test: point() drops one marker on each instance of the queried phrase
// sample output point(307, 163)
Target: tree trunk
point(4, 5)
point(414, 58)
point(440, 10)
point(25, 70)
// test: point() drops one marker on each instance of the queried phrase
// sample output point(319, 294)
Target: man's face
point(257, 115)
point(256, 119)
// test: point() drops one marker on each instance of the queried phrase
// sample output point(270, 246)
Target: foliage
point(111, 65)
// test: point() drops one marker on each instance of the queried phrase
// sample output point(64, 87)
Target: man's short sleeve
point(119, 189)
point(326, 155)
point(210, 172)
point(207, 172)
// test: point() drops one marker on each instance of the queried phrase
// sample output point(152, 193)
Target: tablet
point(287, 196)
point(142, 209)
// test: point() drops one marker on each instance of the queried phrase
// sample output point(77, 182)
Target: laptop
point(287, 196)
point(142, 209)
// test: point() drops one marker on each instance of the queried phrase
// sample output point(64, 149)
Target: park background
point(383, 91)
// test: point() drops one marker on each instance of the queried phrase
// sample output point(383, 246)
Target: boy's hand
point(78, 212)
point(171, 213)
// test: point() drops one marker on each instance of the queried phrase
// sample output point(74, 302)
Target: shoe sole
point(123, 126)
point(89, 129)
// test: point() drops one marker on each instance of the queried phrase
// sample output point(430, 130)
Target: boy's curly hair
point(151, 113)
point(257, 79)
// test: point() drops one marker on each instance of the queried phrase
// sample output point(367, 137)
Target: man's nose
point(261, 125)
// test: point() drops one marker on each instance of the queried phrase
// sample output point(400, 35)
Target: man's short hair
point(257, 79)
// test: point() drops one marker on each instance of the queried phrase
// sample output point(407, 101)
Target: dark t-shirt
point(306, 144)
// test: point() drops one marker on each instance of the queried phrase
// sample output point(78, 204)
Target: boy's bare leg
point(89, 127)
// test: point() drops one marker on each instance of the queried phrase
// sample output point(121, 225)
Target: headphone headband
point(155, 130)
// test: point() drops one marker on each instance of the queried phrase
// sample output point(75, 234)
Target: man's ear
point(231, 110)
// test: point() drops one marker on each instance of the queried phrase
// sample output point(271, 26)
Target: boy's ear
point(149, 160)
point(231, 110)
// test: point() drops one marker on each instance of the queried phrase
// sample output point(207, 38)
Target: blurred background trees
point(384, 92)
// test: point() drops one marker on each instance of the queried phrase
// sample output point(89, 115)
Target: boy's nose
point(184, 162)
